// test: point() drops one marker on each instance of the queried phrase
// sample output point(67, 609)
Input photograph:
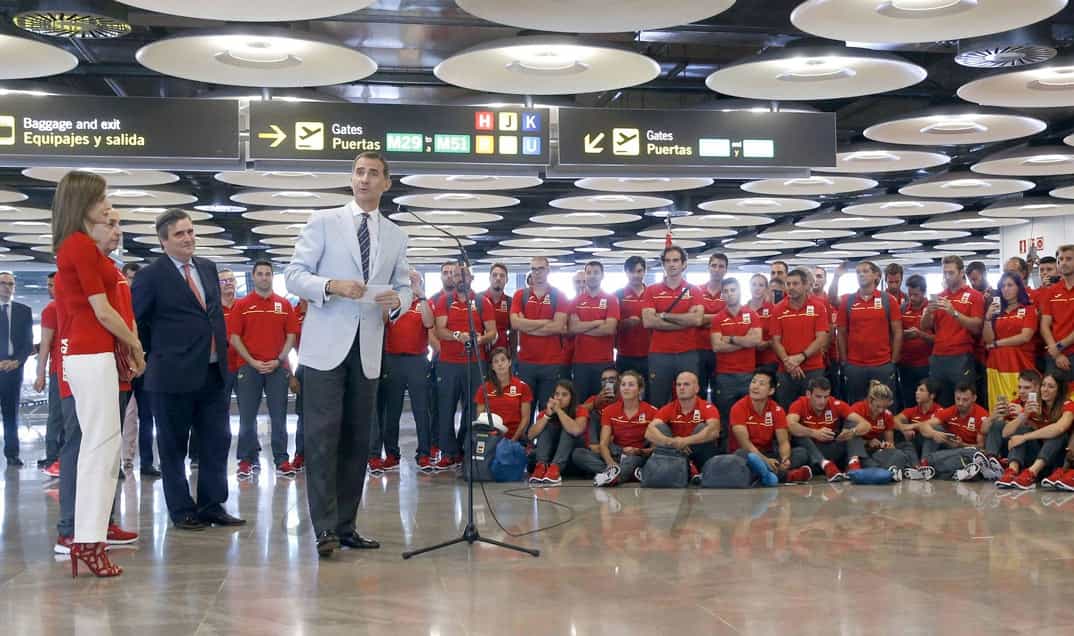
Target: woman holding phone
point(560, 428)
point(1009, 325)
point(1043, 428)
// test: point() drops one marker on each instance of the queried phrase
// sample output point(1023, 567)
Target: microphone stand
point(470, 534)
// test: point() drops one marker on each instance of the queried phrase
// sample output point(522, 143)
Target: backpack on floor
point(726, 471)
point(665, 468)
point(871, 476)
point(485, 440)
point(510, 461)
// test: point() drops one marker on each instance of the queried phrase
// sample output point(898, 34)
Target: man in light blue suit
point(350, 264)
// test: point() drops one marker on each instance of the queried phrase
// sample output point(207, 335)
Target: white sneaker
point(896, 474)
point(609, 477)
point(970, 471)
point(919, 473)
point(991, 469)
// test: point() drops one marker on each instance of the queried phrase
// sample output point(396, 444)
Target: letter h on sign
point(483, 120)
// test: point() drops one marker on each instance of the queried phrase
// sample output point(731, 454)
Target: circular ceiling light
point(969, 221)
point(529, 253)
point(127, 197)
point(790, 232)
point(1029, 208)
point(1051, 86)
point(150, 229)
point(872, 244)
point(290, 229)
point(738, 255)
point(724, 220)
point(208, 251)
point(9, 213)
point(809, 73)
point(203, 241)
point(220, 208)
point(293, 198)
point(655, 244)
point(563, 231)
point(964, 185)
point(546, 65)
point(10, 196)
point(149, 215)
point(541, 243)
point(470, 182)
point(86, 20)
point(911, 21)
point(954, 128)
point(869, 159)
point(610, 202)
point(594, 16)
point(29, 239)
point(809, 186)
point(25, 58)
point(450, 217)
point(841, 220)
point(829, 253)
point(252, 10)
point(25, 227)
point(919, 234)
point(453, 230)
point(283, 180)
point(969, 244)
point(642, 184)
point(694, 233)
point(755, 243)
point(1036, 161)
point(280, 216)
point(115, 177)
point(438, 241)
point(256, 57)
point(901, 207)
point(456, 201)
point(586, 218)
point(767, 206)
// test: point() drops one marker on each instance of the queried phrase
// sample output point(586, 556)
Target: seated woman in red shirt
point(623, 448)
point(508, 396)
point(1042, 439)
point(568, 421)
point(880, 440)
point(85, 280)
point(1009, 325)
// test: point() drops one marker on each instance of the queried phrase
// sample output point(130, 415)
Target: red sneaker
point(63, 545)
point(695, 474)
point(1026, 480)
point(800, 475)
point(1051, 480)
point(245, 470)
point(855, 464)
point(375, 466)
point(538, 473)
point(391, 462)
point(286, 469)
point(425, 464)
point(299, 462)
point(119, 536)
point(1066, 482)
point(831, 471)
point(434, 454)
point(53, 469)
point(1007, 480)
point(447, 462)
point(551, 476)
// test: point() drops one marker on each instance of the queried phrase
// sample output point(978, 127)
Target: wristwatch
point(327, 283)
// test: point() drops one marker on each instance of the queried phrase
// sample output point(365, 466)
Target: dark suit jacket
point(22, 333)
point(175, 331)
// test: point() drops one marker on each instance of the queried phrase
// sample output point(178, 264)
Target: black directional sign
point(685, 138)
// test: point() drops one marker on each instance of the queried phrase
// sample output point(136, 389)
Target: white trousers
point(95, 386)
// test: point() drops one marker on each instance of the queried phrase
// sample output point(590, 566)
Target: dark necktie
point(363, 243)
point(5, 330)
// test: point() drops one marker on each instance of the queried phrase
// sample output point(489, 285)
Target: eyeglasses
point(538, 269)
point(3, 284)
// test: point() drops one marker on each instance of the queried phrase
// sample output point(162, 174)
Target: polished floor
point(909, 558)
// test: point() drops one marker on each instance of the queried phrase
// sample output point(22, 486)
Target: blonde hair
point(879, 391)
point(76, 193)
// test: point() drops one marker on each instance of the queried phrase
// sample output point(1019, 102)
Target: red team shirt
point(684, 423)
point(502, 308)
point(797, 328)
point(916, 415)
point(868, 320)
point(877, 425)
point(632, 342)
point(263, 325)
point(743, 360)
point(506, 404)
point(458, 319)
point(833, 412)
point(539, 349)
point(595, 349)
point(660, 297)
point(713, 304)
point(765, 313)
point(628, 431)
point(408, 335)
point(915, 351)
point(1006, 325)
point(50, 321)
point(762, 426)
point(1058, 302)
point(951, 337)
point(967, 427)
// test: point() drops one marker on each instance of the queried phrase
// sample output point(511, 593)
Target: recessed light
point(954, 126)
point(220, 208)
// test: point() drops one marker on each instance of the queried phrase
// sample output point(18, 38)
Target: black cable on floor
point(514, 492)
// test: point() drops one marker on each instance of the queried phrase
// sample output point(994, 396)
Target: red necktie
point(197, 294)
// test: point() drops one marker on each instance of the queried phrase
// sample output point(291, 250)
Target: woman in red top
point(85, 278)
point(623, 448)
point(1043, 444)
point(565, 421)
point(1009, 325)
point(508, 396)
point(880, 440)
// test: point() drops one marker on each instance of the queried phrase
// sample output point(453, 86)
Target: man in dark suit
point(177, 306)
point(16, 344)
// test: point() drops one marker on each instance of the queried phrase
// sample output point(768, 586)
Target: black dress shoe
point(189, 522)
point(220, 518)
point(356, 541)
point(14, 462)
point(149, 471)
point(327, 543)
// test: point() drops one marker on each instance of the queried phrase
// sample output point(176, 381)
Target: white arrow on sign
point(592, 144)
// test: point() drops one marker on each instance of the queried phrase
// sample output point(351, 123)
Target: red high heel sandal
point(95, 558)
